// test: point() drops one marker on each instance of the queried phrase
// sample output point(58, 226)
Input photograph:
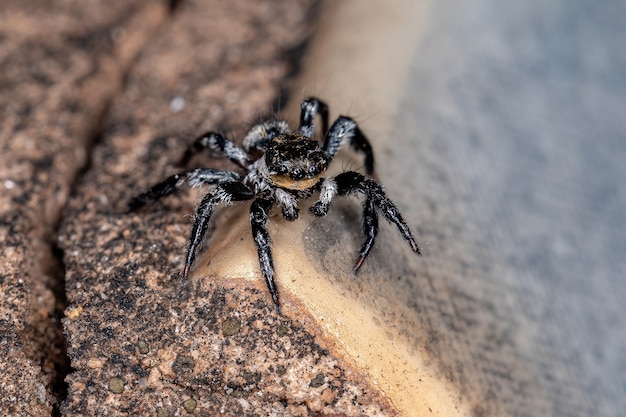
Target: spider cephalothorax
point(295, 162)
point(291, 168)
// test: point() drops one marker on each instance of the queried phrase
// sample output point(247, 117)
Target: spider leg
point(223, 193)
point(288, 203)
point(219, 144)
point(259, 212)
point(370, 230)
point(260, 135)
point(375, 201)
point(195, 178)
point(344, 128)
point(310, 107)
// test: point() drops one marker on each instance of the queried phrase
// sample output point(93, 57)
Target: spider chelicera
point(290, 168)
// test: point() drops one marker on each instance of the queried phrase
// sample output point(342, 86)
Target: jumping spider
point(290, 168)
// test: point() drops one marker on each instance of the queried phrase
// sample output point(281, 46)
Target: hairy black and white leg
point(288, 204)
point(220, 145)
point(260, 135)
point(259, 212)
point(309, 108)
point(376, 201)
point(345, 129)
point(224, 193)
point(370, 230)
point(194, 177)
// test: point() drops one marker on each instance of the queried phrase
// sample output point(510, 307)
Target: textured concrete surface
point(140, 339)
point(498, 132)
point(370, 317)
point(515, 113)
point(60, 64)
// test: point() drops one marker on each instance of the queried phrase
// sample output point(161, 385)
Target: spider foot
point(319, 209)
point(414, 246)
point(290, 213)
point(277, 306)
point(357, 264)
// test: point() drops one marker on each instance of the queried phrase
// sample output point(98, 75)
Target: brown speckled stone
point(60, 64)
point(217, 65)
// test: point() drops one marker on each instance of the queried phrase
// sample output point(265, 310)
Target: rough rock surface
point(60, 65)
point(141, 340)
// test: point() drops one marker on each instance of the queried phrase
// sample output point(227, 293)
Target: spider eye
point(281, 170)
point(297, 174)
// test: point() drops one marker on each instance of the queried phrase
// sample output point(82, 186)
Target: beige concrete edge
point(350, 329)
point(359, 62)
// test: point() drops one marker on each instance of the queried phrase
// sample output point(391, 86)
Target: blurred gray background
point(518, 114)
